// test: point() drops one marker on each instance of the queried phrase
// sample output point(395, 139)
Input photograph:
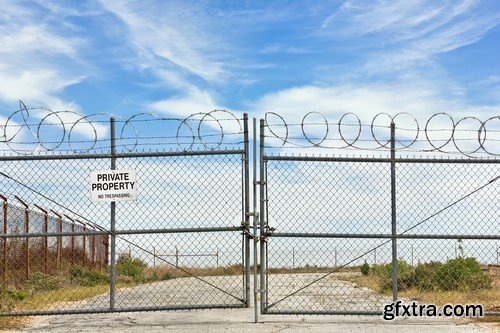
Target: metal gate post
point(255, 227)
point(112, 266)
point(246, 212)
point(262, 221)
point(393, 215)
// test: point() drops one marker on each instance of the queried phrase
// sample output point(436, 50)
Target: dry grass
point(49, 299)
point(489, 298)
point(168, 272)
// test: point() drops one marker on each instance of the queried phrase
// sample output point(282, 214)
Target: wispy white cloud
point(195, 102)
point(402, 33)
point(180, 37)
point(35, 58)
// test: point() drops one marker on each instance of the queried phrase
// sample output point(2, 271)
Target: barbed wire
point(351, 132)
point(22, 128)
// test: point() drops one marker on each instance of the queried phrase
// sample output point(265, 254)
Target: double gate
point(318, 234)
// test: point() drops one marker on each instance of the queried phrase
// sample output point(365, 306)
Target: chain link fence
point(50, 249)
point(331, 234)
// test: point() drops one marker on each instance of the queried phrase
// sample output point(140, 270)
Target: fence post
point(92, 251)
point(335, 257)
point(393, 214)
point(4, 242)
point(112, 266)
point(45, 230)
point(154, 256)
point(176, 256)
point(246, 213)
point(106, 250)
point(58, 240)
point(255, 226)
point(27, 241)
point(263, 261)
point(72, 260)
point(84, 245)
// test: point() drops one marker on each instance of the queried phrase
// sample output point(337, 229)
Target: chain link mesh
point(329, 234)
point(178, 246)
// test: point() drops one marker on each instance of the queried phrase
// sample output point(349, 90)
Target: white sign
point(113, 185)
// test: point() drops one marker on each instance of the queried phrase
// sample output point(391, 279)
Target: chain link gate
point(183, 244)
point(348, 235)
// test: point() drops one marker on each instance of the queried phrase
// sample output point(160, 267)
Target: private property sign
point(113, 185)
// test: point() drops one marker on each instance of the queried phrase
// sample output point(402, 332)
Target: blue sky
point(290, 57)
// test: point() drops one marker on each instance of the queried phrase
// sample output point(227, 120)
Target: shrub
point(85, 277)
point(365, 269)
point(8, 298)
point(167, 276)
point(404, 274)
point(377, 269)
point(43, 282)
point(133, 268)
point(424, 274)
point(462, 274)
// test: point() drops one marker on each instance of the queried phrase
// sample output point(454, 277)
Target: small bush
point(404, 273)
point(167, 276)
point(462, 274)
point(133, 268)
point(43, 282)
point(85, 277)
point(365, 269)
point(377, 269)
point(455, 275)
point(424, 275)
point(9, 297)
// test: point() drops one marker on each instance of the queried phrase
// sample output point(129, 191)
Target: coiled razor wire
point(323, 129)
point(14, 132)
point(70, 122)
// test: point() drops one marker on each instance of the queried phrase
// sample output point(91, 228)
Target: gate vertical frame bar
point(393, 215)
point(112, 266)
point(262, 221)
point(246, 213)
point(255, 227)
